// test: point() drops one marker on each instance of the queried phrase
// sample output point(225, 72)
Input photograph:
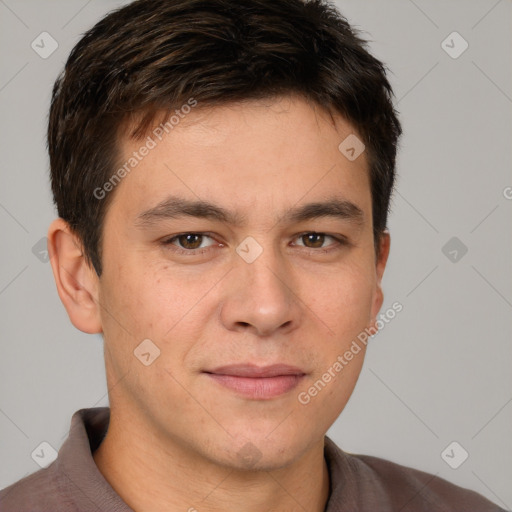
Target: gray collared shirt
point(358, 483)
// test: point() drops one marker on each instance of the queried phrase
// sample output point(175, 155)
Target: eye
point(189, 242)
point(314, 240)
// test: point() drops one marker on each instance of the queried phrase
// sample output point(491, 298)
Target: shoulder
point(388, 486)
point(418, 490)
point(39, 492)
point(55, 488)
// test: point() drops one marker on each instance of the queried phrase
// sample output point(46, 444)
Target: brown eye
point(190, 241)
point(313, 240)
point(191, 244)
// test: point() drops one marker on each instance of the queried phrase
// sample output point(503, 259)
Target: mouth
point(255, 382)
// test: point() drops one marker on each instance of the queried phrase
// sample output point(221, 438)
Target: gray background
point(439, 372)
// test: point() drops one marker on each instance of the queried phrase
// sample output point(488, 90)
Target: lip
point(257, 382)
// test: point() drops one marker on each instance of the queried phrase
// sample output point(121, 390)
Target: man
point(222, 173)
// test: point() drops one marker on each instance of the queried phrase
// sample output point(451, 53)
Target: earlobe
point(76, 280)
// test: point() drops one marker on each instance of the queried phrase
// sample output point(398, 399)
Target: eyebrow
point(174, 207)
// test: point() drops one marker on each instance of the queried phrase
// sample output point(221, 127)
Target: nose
point(260, 297)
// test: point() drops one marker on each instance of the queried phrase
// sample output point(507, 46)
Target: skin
point(175, 435)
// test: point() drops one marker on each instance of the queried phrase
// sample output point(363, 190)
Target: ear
point(76, 280)
point(380, 265)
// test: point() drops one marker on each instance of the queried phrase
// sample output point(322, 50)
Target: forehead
point(254, 155)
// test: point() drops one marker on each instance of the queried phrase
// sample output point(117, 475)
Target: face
point(241, 245)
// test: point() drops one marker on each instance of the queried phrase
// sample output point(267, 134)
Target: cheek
point(345, 306)
point(343, 299)
point(135, 288)
point(159, 303)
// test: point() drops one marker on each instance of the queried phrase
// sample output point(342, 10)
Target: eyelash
point(340, 241)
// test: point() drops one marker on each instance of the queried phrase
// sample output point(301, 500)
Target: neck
point(152, 475)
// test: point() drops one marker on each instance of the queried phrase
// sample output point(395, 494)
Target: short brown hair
point(152, 56)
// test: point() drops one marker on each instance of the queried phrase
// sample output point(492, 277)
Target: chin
point(252, 451)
